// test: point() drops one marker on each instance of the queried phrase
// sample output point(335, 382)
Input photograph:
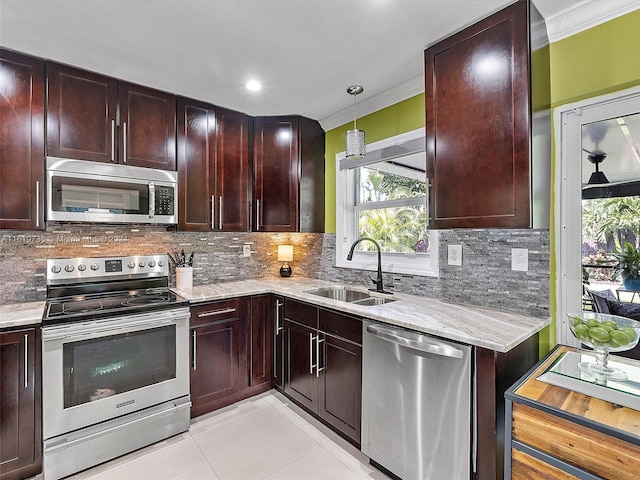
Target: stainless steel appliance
point(417, 403)
point(81, 191)
point(115, 370)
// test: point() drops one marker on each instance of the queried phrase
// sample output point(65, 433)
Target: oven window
point(102, 367)
point(86, 195)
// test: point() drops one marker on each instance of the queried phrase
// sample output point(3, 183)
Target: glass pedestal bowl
point(604, 333)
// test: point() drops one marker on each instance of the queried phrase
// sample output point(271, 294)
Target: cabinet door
point(147, 127)
point(340, 395)
point(81, 114)
point(215, 358)
point(477, 118)
point(21, 142)
point(196, 165)
point(20, 432)
point(232, 171)
point(278, 374)
point(276, 174)
point(301, 383)
point(261, 340)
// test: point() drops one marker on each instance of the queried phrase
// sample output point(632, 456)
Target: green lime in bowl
point(604, 333)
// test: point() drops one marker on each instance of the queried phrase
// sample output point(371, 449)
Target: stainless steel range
point(115, 369)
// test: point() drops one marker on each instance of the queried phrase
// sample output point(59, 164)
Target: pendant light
point(354, 139)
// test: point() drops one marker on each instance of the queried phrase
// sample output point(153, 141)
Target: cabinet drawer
point(526, 467)
point(334, 323)
point(214, 311)
point(583, 447)
point(301, 313)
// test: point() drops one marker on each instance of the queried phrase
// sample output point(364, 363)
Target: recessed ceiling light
point(253, 85)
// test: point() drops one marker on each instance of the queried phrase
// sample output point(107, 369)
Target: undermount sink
point(345, 294)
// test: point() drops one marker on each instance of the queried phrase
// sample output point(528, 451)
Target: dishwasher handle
point(415, 341)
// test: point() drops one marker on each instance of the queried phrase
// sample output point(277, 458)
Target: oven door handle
point(93, 330)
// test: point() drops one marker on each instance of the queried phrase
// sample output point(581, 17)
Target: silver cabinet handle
point(124, 141)
point(113, 140)
point(311, 365)
point(258, 214)
point(428, 192)
point(318, 342)
point(26, 360)
point(213, 212)
point(37, 203)
point(216, 312)
point(415, 341)
point(278, 327)
point(220, 213)
point(194, 341)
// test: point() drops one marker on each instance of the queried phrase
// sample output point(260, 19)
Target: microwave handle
point(152, 199)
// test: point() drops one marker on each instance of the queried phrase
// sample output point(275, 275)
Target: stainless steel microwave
point(82, 191)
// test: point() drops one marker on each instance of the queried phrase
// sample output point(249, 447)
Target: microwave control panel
point(164, 200)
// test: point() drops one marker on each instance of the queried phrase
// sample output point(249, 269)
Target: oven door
point(98, 370)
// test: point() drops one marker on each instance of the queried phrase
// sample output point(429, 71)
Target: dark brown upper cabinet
point(478, 123)
point(21, 142)
point(213, 167)
point(288, 175)
point(98, 118)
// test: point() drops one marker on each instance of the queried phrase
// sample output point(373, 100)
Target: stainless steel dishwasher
point(416, 404)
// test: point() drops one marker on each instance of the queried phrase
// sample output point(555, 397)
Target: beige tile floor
point(265, 437)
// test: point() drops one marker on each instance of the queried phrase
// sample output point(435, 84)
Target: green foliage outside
point(400, 229)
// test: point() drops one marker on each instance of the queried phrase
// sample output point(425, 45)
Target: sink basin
point(344, 294)
point(373, 301)
point(340, 293)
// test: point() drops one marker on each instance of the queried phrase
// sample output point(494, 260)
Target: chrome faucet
point(378, 281)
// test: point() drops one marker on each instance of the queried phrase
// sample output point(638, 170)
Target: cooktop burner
point(83, 307)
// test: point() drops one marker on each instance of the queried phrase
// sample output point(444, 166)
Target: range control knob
point(95, 266)
point(131, 264)
point(161, 263)
point(142, 264)
point(82, 267)
point(68, 268)
point(56, 269)
point(152, 263)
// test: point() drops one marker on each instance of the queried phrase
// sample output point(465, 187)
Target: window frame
point(346, 230)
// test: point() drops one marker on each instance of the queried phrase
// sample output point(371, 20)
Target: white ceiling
point(305, 52)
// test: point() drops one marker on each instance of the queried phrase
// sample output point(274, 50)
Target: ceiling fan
point(597, 177)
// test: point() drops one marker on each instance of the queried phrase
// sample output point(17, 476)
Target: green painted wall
point(399, 118)
point(595, 62)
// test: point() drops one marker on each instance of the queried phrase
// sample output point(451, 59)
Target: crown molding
point(402, 91)
point(585, 15)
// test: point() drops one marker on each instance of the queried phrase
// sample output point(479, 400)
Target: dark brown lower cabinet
point(216, 354)
point(20, 404)
point(277, 375)
point(231, 351)
point(260, 341)
point(324, 365)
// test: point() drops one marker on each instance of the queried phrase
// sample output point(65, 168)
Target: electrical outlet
point(454, 254)
point(246, 250)
point(520, 259)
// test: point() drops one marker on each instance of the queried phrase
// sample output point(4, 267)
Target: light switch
point(520, 259)
point(454, 254)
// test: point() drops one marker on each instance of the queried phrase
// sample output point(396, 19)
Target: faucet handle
point(372, 279)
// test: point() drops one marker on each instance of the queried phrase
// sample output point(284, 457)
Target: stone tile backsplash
point(485, 278)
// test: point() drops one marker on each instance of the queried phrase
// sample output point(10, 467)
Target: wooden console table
point(556, 433)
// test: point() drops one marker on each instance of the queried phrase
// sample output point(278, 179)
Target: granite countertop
point(496, 330)
point(21, 314)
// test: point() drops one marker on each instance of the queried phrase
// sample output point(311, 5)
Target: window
point(383, 196)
